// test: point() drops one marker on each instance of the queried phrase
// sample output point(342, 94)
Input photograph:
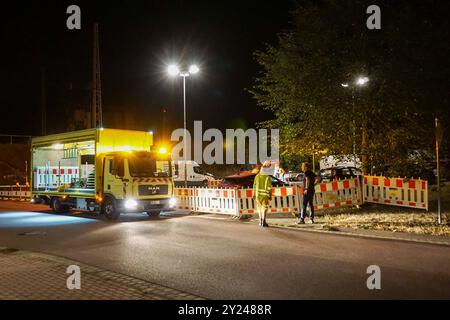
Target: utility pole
point(43, 102)
point(164, 112)
point(26, 172)
point(438, 175)
point(96, 107)
point(185, 129)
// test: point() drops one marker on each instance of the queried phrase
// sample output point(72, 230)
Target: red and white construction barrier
point(215, 200)
point(52, 177)
point(337, 193)
point(15, 192)
point(284, 200)
point(185, 199)
point(396, 191)
point(393, 191)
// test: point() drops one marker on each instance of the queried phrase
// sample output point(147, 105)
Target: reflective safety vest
point(262, 187)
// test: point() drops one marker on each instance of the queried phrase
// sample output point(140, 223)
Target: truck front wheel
point(109, 209)
point(154, 213)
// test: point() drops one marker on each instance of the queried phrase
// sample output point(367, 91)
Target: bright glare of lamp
point(130, 204)
point(362, 81)
point(172, 202)
point(194, 69)
point(173, 70)
point(162, 150)
point(345, 85)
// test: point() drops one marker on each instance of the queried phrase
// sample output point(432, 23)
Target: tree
point(329, 44)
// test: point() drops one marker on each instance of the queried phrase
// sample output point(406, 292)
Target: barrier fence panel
point(54, 176)
point(337, 193)
point(412, 193)
point(246, 203)
point(185, 199)
point(284, 200)
point(15, 192)
point(213, 200)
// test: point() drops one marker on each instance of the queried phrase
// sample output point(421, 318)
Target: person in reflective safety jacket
point(262, 188)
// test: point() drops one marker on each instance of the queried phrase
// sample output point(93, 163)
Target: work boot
point(311, 221)
point(301, 221)
point(264, 224)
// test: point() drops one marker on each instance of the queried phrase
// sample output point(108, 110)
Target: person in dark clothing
point(309, 183)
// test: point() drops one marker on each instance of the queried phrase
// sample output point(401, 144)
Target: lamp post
point(359, 82)
point(174, 71)
point(438, 173)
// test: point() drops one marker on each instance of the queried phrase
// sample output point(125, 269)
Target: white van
point(195, 176)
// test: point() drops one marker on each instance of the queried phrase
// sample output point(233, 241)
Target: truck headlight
point(172, 202)
point(130, 204)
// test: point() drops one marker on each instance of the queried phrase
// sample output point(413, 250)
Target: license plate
point(155, 202)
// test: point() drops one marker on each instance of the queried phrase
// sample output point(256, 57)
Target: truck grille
point(153, 190)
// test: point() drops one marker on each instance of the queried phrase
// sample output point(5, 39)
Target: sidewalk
point(291, 223)
point(35, 276)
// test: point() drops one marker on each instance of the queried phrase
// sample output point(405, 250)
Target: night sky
point(137, 42)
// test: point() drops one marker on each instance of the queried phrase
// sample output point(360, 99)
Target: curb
point(356, 235)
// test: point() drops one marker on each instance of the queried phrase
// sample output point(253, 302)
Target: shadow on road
point(20, 208)
point(124, 218)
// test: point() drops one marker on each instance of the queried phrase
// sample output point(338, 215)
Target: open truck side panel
point(105, 170)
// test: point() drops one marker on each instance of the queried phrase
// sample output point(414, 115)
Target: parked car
point(246, 181)
point(293, 178)
point(338, 173)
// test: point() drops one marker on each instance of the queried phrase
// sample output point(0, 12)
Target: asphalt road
point(217, 258)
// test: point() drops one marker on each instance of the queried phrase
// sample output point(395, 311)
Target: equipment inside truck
point(68, 166)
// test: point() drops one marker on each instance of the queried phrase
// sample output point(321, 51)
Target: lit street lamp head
point(194, 69)
point(173, 70)
point(361, 81)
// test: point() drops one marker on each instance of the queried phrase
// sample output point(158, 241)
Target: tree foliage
point(329, 44)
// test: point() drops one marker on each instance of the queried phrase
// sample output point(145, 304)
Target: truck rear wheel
point(58, 207)
point(109, 209)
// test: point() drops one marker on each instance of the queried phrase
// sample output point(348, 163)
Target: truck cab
point(136, 181)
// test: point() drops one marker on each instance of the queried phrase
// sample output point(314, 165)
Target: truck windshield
point(146, 165)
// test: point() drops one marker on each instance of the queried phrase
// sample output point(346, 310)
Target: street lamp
point(174, 70)
point(359, 82)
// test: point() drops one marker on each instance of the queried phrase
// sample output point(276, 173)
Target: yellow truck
point(101, 170)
